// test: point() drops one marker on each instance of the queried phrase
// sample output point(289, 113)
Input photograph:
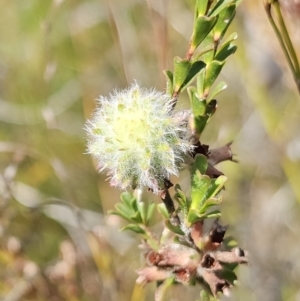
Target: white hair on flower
point(136, 138)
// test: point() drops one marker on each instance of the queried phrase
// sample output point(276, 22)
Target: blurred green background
point(56, 58)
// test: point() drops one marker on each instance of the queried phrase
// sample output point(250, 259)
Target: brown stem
point(167, 200)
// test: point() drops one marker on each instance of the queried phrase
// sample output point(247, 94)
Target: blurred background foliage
point(56, 57)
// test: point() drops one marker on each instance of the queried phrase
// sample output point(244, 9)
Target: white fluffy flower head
point(135, 137)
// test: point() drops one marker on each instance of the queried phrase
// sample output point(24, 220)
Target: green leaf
point(133, 204)
point(232, 37)
point(173, 228)
point(142, 211)
point(163, 210)
point(113, 212)
point(203, 191)
point(213, 69)
point(200, 123)
point(181, 199)
point(199, 181)
point(122, 208)
point(200, 164)
point(195, 69)
point(133, 227)
point(201, 7)
point(198, 105)
point(200, 84)
point(136, 217)
point(128, 209)
point(200, 185)
point(169, 77)
point(150, 212)
point(184, 72)
point(204, 296)
point(208, 43)
point(161, 290)
point(230, 276)
point(237, 2)
point(225, 18)
point(221, 4)
point(179, 241)
point(208, 204)
point(202, 27)
point(216, 186)
point(217, 89)
point(181, 70)
point(229, 242)
point(193, 217)
point(126, 197)
point(213, 214)
point(225, 51)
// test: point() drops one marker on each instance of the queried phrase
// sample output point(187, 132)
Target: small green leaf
point(169, 77)
point(203, 190)
point(113, 212)
point(198, 105)
point(202, 27)
point(192, 217)
point(181, 199)
point(150, 212)
point(229, 242)
point(225, 18)
point(163, 288)
point(208, 204)
point(201, 7)
point(230, 276)
point(200, 185)
point(171, 227)
point(213, 214)
point(133, 204)
point(136, 217)
point(126, 197)
point(200, 123)
point(221, 4)
point(179, 241)
point(221, 86)
point(204, 296)
point(213, 69)
point(122, 208)
point(163, 210)
point(200, 84)
point(142, 211)
point(200, 164)
point(208, 43)
point(216, 186)
point(184, 72)
point(154, 245)
point(232, 37)
point(225, 51)
point(181, 70)
point(195, 69)
point(133, 227)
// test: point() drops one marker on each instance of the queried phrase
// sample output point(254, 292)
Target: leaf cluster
point(137, 213)
point(204, 59)
point(204, 194)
